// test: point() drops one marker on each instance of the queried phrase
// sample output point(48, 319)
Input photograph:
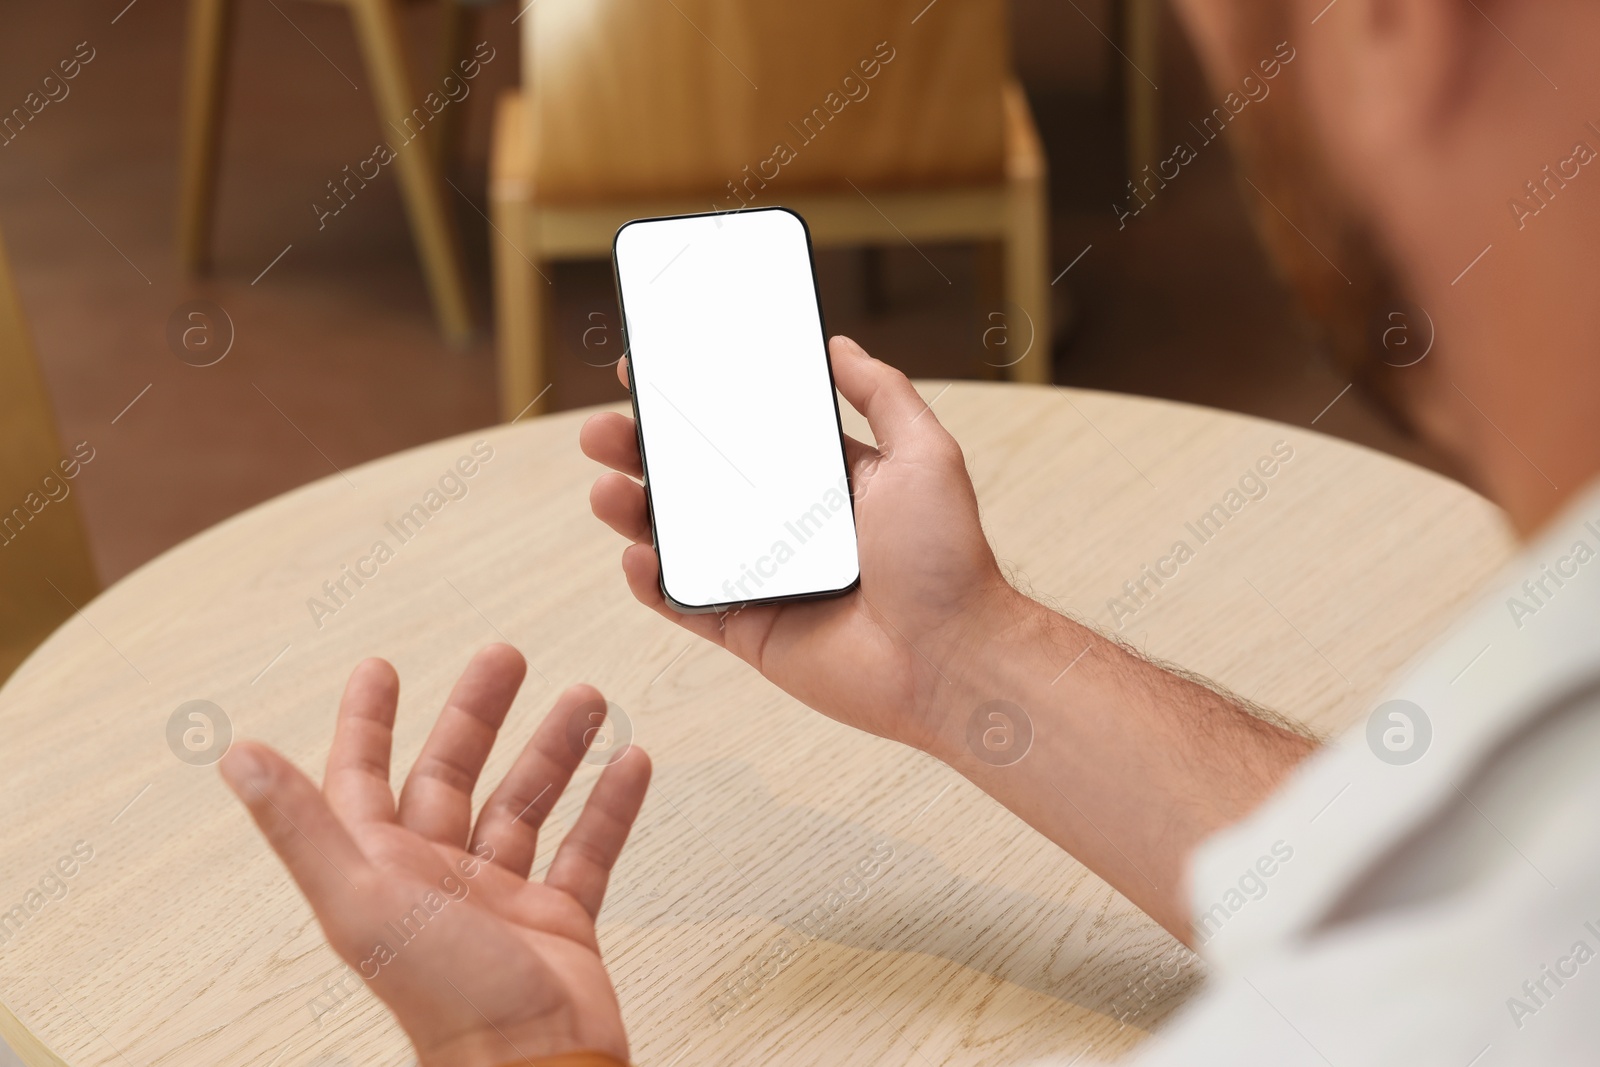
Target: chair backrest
point(738, 99)
point(45, 567)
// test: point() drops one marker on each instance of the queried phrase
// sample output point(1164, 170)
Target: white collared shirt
point(1409, 899)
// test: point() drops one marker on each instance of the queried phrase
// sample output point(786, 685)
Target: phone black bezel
point(638, 425)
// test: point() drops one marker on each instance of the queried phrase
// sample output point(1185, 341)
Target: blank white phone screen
point(740, 433)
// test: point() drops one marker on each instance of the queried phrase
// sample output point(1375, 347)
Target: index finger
point(356, 781)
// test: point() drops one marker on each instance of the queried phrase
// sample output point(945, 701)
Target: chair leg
point(874, 280)
point(1027, 279)
point(522, 314)
point(420, 182)
point(457, 20)
point(989, 270)
point(1027, 241)
point(1142, 27)
point(210, 26)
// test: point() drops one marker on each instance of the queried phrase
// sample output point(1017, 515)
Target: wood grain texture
point(975, 942)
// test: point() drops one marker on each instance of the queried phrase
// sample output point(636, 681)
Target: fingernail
point(243, 770)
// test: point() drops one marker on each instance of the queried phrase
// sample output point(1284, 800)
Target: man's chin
point(1371, 335)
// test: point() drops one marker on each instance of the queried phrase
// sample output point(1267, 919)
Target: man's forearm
point(1129, 766)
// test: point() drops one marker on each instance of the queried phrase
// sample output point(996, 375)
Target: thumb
point(896, 412)
point(308, 837)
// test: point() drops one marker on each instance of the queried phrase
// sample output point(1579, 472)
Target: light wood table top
point(182, 941)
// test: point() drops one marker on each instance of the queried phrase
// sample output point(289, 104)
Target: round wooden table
point(734, 929)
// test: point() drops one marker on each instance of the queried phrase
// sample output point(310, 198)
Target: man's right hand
point(1127, 766)
point(887, 657)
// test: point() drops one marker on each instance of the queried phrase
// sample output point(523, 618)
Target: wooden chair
point(418, 172)
point(45, 570)
point(640, 107)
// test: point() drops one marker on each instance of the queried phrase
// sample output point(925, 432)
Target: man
point(1428, 154)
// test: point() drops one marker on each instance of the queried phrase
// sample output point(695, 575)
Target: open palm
point(882, 657)
point(435, 910)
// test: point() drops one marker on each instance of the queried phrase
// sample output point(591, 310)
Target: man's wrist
point(582, 1058)
point(542, 1041)
point(1014, 643)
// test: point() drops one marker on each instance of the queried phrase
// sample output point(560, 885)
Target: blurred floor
point(336, 358)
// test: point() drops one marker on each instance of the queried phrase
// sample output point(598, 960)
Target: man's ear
point(1391, 73)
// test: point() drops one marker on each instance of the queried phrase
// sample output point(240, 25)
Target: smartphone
point(744, 463)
